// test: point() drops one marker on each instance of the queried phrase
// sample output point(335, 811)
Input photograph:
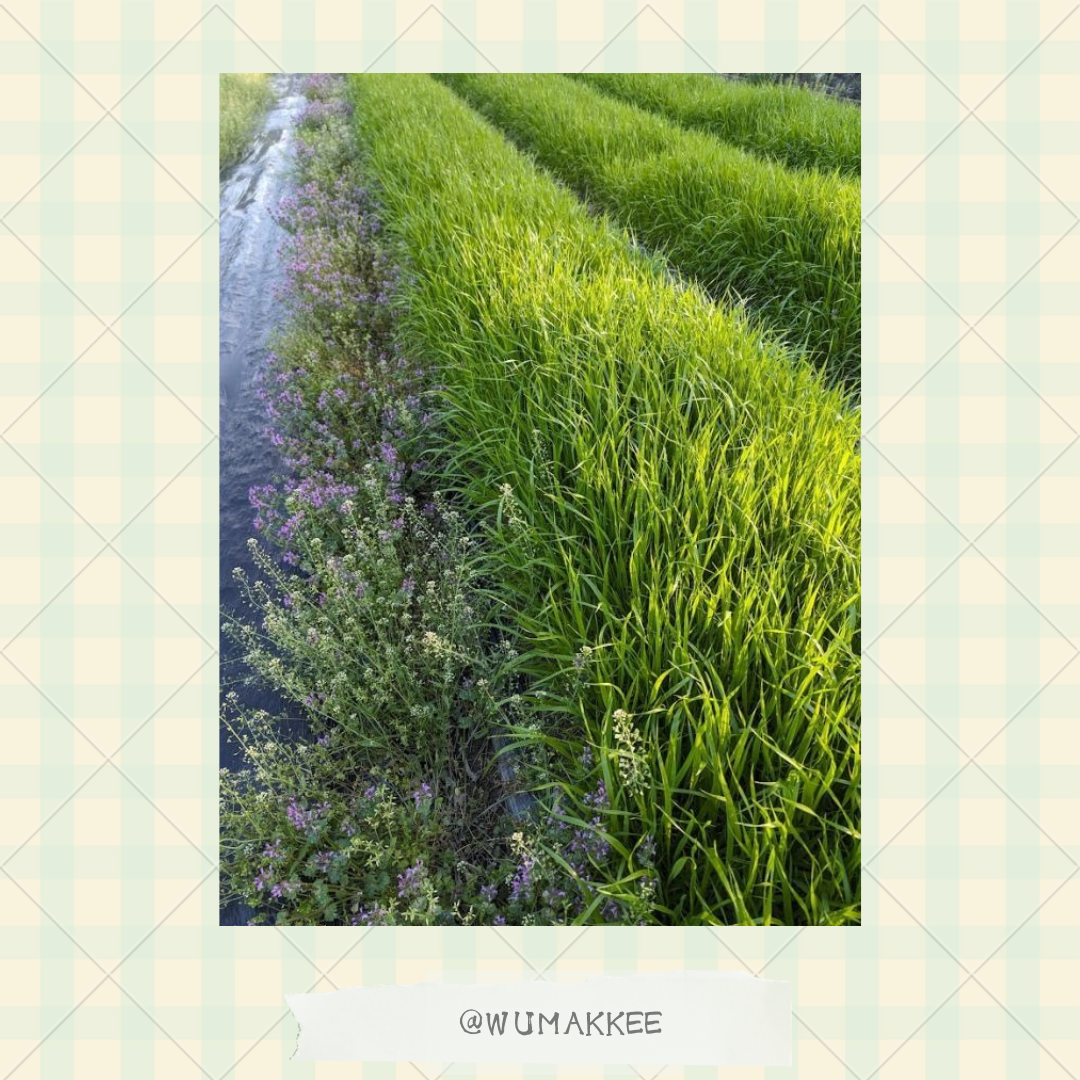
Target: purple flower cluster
point(375, 915)
point(319, 489)
point(422, 795)
point(284, 888)
point(522, 881)
point(336, 285)
point(553, 896)
point(410, 882)
point(264, 879)
point(303, 820)
point(319, 86)
point(332, 266)
point(316, 113)
point(264, 882)
point(611, 911)
point(582, 847)
point(599, 798)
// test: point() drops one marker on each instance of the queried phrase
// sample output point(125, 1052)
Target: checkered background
point(113, 964)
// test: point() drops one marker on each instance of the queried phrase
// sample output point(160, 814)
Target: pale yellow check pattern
point(113, 963)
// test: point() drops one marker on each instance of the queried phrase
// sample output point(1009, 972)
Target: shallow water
point(249, 272)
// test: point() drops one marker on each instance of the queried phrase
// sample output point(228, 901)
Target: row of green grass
point(796, 126)
point(669, 498)
point(787, 243)
point(243, 99)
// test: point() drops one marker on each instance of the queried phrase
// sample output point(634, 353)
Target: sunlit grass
point(786, 242)
point(799, 127)
point(682, 500)
point(243, 100)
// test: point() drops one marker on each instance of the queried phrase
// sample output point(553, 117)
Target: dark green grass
point(685, 503)
point(793, 125)
point(787, 243)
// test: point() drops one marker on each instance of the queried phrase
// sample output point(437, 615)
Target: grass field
point(790, 124)
point(243, 100)
point(785, 242)
point(670, 504)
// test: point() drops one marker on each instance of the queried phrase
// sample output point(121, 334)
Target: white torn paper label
point(672, 1018)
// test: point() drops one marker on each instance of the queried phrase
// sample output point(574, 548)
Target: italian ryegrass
point(796, 126)
point(674, 509)
point(244, 98)
point(787, 243)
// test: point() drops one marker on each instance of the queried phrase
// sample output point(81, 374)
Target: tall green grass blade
point(676, 496)
point(786, 243)
point(793, 125)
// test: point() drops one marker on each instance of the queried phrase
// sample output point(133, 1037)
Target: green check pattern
point(968, 962)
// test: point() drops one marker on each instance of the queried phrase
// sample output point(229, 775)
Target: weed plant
point(368, 615)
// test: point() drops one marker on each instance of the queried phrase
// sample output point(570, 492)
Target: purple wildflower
point(370, 916)
point(410, 882)
point(302, 819)
point(521, 882)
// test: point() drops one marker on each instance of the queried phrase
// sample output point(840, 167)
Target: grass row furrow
point(793, 125)
point(787, 243)
point(673, 510)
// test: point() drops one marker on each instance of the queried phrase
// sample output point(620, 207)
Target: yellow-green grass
point(683, 501)
point(788, 243)
point(796, 126)
point(243, 98)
